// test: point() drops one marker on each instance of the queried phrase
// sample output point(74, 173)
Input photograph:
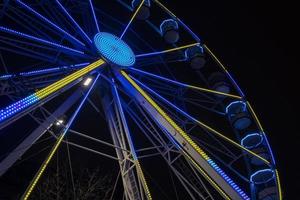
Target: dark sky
point(256, 42)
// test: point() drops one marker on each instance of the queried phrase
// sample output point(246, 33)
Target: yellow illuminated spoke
point(186, 85)
point(44, 93)
point(167, 118)
point(167, 51)
point(214, 92)
point(67, 80)
point(231, 141)
point(215, 57)
point(142, 176)
point(220, 134)
point(132, 18)
point(165, 8)
point(177, 128)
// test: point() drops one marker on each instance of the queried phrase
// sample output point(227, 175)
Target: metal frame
point(166, 123)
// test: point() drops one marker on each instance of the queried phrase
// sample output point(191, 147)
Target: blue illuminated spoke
point(17, 107)
point(27, 36)
point(74, 22)
point(132, 18)
point(43, 71)
point(182, 84)
point(94, 15)
point(68, 35)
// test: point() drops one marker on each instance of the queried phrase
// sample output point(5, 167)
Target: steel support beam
point(17, 152)
point(192, 152)
point(134, 183)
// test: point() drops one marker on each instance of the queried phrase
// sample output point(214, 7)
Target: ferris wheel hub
point(114, 50)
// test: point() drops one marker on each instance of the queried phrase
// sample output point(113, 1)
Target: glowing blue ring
point(114, 50)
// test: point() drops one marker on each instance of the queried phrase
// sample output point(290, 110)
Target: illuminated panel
point(241, 193)
point(114, 50)
point(43, 93)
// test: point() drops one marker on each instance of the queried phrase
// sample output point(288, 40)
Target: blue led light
point(236, 105)
point(6, 76)
point(49, 22)
point(262, 176)
point(228, 180)
point(114, 50)
point(252, 140)
point(18, 106)
point(37, 72)
point(167, 25)
point(7, 30)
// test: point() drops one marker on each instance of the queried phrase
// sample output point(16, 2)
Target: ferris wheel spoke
point(203, 125)
point(165, 148)
point(135, 185)
point(34, 136)
point(130, 142)
point(167, 51)
point(35, 79)
point(132, 18)
point(71, 38)
point(184, 85)
point(65, 49)
point(40, 172)
point(81, 31)
point(224, 69)
point(21, 107)
point(28, 52)
point(94, 15)
point(206, 166)
point(43, 71)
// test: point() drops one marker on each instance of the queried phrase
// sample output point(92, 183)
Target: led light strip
point(133, 152)
point(7, 30)
point(188, 139)
point(167, 51)
point(185, 85)
point(203, 124)
point(140, 172)
point(43, 93)
point(56, 146)
point(132, 18)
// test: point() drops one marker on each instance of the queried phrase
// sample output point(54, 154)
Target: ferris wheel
point(169, 104)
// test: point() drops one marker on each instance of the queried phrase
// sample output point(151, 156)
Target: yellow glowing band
point(136, 12)
point(214, 91)
point(179, 48)
point(255, 116)
point(164, 7)
point(167, 118)
point(42, 94)
point(141, 174)
point(278, 184)
point(231, 141)
point(63, 82)
point(43, 167)
point(215, 57)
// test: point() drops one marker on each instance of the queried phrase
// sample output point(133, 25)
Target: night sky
point(255, 41)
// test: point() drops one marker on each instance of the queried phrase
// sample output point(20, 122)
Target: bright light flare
point(59, 122)
point(87, 82)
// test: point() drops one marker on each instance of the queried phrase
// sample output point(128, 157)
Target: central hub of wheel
point(114, 50)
